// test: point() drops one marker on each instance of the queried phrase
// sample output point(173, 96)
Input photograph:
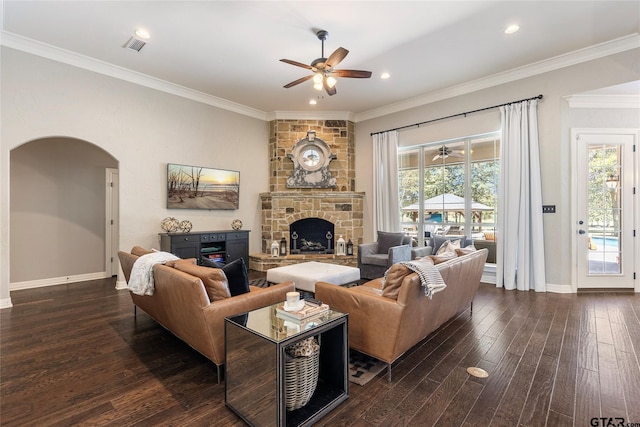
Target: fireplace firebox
point(311, 235)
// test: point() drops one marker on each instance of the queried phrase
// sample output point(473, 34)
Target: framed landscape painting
point(197, 187)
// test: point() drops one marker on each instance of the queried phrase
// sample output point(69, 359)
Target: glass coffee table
point(255, 345)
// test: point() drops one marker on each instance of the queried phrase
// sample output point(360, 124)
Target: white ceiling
point(230, 50)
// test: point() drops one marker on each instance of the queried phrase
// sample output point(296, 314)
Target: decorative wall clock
point(311, 157)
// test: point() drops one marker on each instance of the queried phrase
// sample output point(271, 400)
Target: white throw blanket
point(430, 277)
point(141, 279)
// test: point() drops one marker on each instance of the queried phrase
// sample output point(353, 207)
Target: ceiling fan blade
point(297, 64)
point(330, 90)
point(297, 82)
point(355, 74)
point(336, 57)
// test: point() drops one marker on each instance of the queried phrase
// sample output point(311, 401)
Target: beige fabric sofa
point(385, 323)
point(180, 304)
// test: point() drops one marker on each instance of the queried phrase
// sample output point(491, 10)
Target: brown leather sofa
point(181, 305)
point(385, 327)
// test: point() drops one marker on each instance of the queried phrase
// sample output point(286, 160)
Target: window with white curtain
point(451, 188)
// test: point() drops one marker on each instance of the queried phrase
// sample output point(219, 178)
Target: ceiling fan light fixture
point(331, 81)
point(317, 78)
point(317, 86)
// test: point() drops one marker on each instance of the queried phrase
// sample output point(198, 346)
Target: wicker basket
point(300, 378)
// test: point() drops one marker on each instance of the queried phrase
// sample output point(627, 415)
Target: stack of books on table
point(309, 310)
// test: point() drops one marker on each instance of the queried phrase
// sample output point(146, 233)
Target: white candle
point(293, 298)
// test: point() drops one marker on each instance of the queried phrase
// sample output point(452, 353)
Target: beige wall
point(57, 209)
point(143, 129)
point(555, 122)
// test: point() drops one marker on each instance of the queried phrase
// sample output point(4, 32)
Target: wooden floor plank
point(75, 355)
point(587, 397)
point(564, 389)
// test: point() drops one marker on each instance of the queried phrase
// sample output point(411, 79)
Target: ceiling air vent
point(135, 44)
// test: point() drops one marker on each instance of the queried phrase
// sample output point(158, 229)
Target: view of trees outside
point(604, 173)
point(604, 209)
point(445, 175)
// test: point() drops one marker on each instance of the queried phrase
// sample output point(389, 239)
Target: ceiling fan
point(444, 152)
point(324, 72)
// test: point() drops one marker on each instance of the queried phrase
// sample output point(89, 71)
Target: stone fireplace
point(338, 205)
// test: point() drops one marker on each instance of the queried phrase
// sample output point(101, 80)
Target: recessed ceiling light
point(511, 29)
point(143, 34)
point(385, 76)
point(313, 102)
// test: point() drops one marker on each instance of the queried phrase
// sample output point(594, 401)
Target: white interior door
point(604, 208)
point(111, 223)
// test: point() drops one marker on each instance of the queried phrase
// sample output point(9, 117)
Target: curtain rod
point(456, 115)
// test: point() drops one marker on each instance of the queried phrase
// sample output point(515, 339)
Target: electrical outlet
point(548, 208)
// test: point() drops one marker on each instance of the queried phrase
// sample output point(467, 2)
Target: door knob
point(581, 222)
point(581, 231)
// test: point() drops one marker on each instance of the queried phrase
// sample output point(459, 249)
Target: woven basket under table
point(301, 378)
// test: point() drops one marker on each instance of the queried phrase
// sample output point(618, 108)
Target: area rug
point(363, 368)
point(261, 282)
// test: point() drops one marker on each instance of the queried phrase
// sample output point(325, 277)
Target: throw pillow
point(464, 251)
point(449, 246)
point(436, 241)
point(394, 277)
point(139, 251)
point(388, 240)
point(214, 280)
point(174, 262)
point(236, 272)
point(446, 256)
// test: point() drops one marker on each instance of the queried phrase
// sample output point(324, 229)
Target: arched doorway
point(58, 212)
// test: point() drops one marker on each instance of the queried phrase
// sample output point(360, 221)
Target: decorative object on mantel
point(311, 157)
point(329, 237)
point(340, 246)
point(349, 248)
point(169, 224)
point(185, 226)
point(283, 247)
point(236, 224)
point(275, 248)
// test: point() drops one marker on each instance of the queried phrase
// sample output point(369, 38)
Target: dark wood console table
point(221, 246)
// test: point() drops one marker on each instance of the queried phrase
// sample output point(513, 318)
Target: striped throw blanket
point(430, 277)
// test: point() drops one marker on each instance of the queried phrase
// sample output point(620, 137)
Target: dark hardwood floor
point(75, 355)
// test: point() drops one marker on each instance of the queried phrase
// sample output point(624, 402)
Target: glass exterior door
point(605, 211)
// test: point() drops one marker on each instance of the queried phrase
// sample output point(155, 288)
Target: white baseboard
point(121, 284)
point(29, 284)
point(5, 303)
point(559, 289)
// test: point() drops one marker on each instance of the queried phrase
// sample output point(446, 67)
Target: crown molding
point(54, 53)
point(601, 50)
point(603, 101)
point(311, 115)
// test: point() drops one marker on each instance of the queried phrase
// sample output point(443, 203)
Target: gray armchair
point(375, 258)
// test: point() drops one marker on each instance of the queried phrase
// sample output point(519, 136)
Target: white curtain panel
point(520, 247)
point(386, 209)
